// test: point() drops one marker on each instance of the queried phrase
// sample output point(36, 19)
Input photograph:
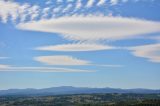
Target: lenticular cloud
point(75, 47)
point(93, 28)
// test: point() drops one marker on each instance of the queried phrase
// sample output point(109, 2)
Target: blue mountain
point(71, 90)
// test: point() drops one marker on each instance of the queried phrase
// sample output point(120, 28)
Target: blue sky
point(84, 43)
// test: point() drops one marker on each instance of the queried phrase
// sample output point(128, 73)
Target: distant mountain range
point(71, 90)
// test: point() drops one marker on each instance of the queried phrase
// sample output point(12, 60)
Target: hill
point(73, 90)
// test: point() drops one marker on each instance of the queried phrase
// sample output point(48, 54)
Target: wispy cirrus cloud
point(93, 28)
point(5, 68)
point(109, 65)
point(64, 60)
point(4, 57)
point(75, 47)
point(61, 60)
point(150, 52)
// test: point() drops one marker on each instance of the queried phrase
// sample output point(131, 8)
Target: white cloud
point(67, 8)
point(61, 60)
point(114, 2)
point(151, 52)
point(4, 57)
point(78, 4)
point(40, 69)
point(101, 2)
point(48, 2)
point(33, 12)
point(10, 10)
point(57, 9)
point(23, 12)
point(109, 65)
point(93, 27)
point(90, 3)
point(64, 60)
point(2, 66)
point(75, 47)
point(45, 12)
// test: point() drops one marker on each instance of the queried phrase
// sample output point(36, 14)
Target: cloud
point(67, 8)
point(90, 3)
point(4, 57)
point(13, 11)
point(33, 12)
point(151, 52)
point(59, 1)
point(8, 9)
point(5, 68)
point(93, 28)
point(75, 47)
point(45, 12)
point(78, 4)
point(57, 9)
point(24, 12)
point(48, 2)
point(101, 2)
point(114, 2)
point(2, 66)
point(109, 65)
point(61, 60)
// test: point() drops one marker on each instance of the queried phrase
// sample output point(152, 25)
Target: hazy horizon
point(79, 87)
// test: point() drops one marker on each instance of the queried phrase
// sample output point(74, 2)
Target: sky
point(81, 43)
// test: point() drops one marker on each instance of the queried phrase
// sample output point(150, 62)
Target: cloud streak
point(2, 66)
point(61, 60)
point(151, 52)
point(93, 28)
point(4, 57)
point(64, 60)
point(5, 68)
point(75, 47)
point(109, 65)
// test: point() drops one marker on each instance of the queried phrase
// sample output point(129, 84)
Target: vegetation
point(83, 100)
